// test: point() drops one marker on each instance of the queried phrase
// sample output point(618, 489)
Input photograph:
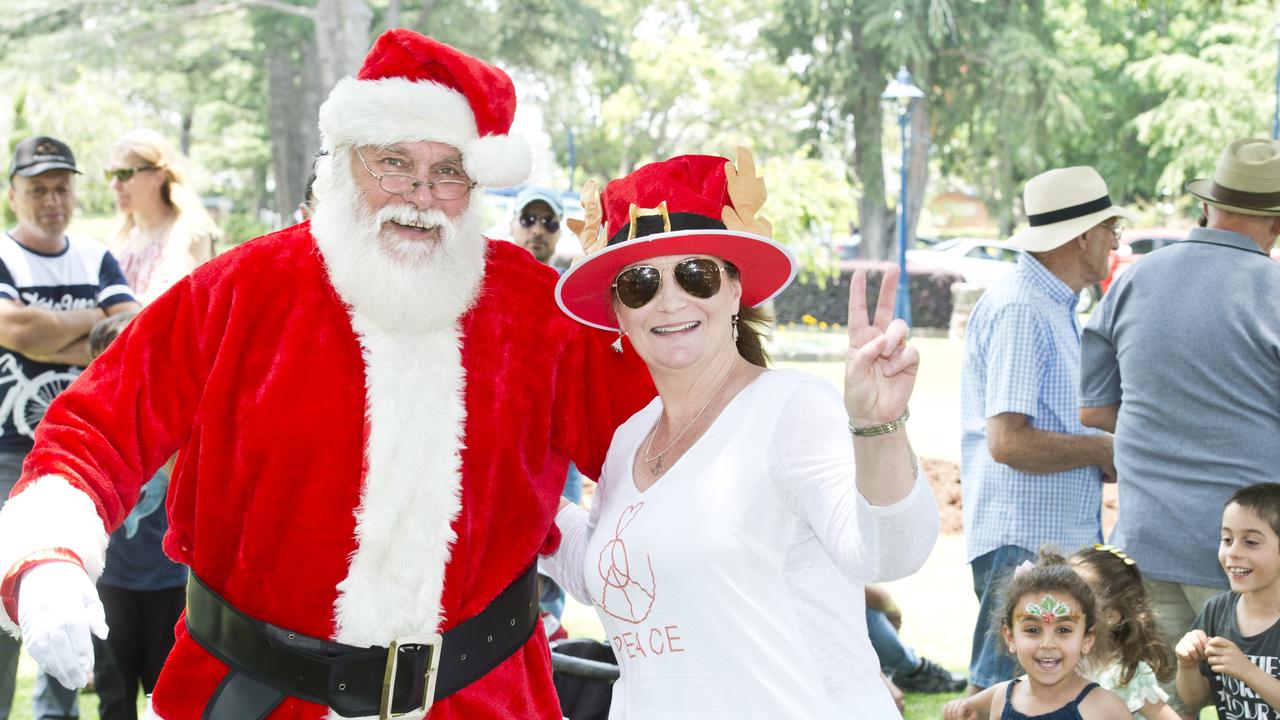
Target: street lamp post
point(902, 93)
point(1275, 123)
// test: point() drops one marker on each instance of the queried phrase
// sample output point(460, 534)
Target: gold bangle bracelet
point(882, 429)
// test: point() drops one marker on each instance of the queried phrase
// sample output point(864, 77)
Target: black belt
point(269, 663)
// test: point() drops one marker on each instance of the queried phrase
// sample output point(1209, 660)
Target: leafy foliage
point(1147, 93)
point(829, 303)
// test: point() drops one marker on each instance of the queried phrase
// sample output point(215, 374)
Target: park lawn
point(26, 686)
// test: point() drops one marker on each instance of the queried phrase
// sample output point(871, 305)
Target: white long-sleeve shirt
point(733, 587)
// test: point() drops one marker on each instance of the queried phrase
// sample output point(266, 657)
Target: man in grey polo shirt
point(1182, 363)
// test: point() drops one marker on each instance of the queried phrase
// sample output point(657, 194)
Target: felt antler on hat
point(588, 231)
point(747, 191)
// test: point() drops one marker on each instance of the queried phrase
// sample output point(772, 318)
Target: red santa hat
point(412, 88)
point(687, 205)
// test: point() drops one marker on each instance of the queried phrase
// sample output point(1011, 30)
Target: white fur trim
point(51, 513)
point(392, 110)
point(498, 160)
point(411, 493)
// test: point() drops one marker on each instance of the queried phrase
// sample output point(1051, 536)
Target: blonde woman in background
point(164, 234)
point(164, 231)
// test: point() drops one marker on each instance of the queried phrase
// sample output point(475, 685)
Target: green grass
point(26, 687)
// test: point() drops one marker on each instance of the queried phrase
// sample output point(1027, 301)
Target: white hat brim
point(1043, 238)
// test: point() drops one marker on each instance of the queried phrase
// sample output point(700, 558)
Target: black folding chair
point(584, 672)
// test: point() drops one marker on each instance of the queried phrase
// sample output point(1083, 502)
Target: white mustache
point(409, 215)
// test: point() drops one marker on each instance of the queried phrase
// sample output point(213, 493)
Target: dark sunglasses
point(123, 174)
point(636, 286)
point(550, 223)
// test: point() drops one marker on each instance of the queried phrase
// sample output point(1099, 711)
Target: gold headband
point(1115, 551)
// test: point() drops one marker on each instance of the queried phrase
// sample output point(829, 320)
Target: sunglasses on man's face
point(123, 174)
point(550, 223)
point(636, 286)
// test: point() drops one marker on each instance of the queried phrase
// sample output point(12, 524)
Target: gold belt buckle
point(433, 641)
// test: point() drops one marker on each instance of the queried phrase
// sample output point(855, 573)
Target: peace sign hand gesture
point(880, 367)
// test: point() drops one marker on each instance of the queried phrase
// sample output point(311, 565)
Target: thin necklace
point(649, 446)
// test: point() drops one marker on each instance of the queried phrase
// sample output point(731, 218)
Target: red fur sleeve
point(131, 409)
point(611, 387)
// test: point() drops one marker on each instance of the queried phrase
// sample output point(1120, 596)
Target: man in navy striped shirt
point(53, 288)
point(1031, 474)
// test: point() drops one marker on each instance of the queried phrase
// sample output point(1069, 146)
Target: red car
point(1134, 243)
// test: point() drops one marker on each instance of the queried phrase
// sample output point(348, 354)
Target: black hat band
point(1069, 213)
point(652, 225)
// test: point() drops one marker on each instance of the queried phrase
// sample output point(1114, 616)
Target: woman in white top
point(736, 521)
point(164, 231)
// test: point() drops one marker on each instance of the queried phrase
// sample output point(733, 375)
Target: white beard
point(400, 285)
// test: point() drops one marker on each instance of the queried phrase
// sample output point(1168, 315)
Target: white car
point(977, 260)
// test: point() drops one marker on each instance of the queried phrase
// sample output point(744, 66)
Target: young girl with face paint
point(1128, 655)
point(1049, 622)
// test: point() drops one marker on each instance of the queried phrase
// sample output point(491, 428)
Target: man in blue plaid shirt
point(1031, 474)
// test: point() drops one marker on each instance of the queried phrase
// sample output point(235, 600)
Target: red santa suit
point(251, 364)
point(336, 479)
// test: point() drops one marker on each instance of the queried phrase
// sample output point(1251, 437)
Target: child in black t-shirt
point(1233, 649)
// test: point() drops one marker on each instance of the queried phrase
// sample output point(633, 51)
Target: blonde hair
point(151, 148)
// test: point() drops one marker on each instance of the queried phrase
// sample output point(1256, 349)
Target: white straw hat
point(1063, 204)
point(1246, 180)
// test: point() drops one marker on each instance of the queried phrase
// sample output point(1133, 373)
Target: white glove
point(58, 607)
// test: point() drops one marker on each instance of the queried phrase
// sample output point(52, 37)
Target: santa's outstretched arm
point(98, 442)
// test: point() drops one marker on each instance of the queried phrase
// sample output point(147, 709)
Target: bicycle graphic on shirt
point(27, 399)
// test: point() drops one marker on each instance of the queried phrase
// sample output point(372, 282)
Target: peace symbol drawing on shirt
point(624, 595)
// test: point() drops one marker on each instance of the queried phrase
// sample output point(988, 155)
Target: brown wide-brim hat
point(1246, 180)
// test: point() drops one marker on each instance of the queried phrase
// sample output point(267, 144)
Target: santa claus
point(364, 410)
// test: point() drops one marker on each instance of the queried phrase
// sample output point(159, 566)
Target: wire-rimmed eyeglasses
point(403, 185)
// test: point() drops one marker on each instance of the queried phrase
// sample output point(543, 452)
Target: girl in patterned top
point(1129, 657)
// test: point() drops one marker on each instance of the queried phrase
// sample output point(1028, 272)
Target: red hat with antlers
point(412, 88)
point(688, 205)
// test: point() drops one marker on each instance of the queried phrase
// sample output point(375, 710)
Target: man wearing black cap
point(53, 288)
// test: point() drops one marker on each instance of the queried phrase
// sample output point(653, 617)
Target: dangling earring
point(617, 344)
point(734, 321)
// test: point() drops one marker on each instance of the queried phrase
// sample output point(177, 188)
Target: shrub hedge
point(930, 295)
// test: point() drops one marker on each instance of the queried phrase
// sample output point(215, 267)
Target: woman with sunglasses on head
point(740, 513)
point(164, 230)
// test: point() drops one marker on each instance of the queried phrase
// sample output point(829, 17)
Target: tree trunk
point(282, 94)
point(293, 103)
point(393, 14)
point(1001, 205)
point(184, 130)
point(424, 16)
point(342, 38)
point(868, 161)
point(918, 164)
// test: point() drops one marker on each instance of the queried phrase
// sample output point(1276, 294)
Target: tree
point(846, 50)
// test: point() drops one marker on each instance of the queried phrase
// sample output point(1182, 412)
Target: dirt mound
point(944, 477)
